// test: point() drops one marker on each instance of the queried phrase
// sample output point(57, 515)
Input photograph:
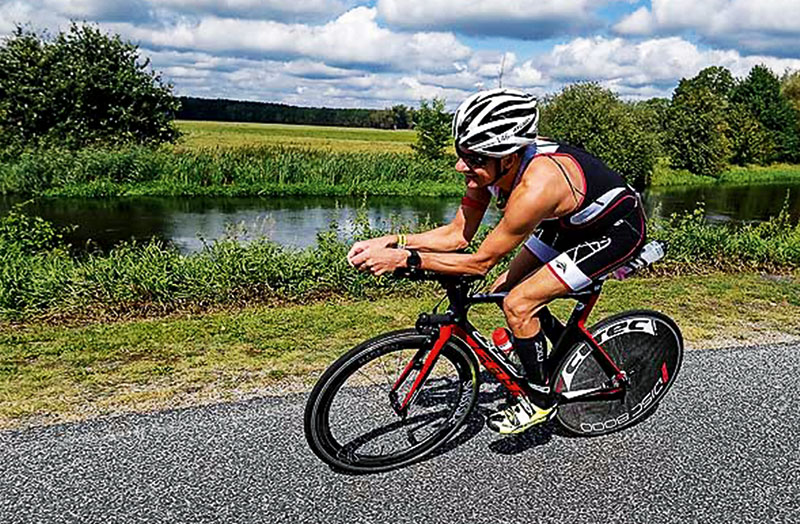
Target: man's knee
point(519, 310)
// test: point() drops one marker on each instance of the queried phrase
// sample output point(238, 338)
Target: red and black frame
point(441, 327)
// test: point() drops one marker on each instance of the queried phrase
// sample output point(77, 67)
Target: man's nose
point(462, 166)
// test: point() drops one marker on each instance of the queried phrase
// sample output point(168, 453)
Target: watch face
point(413, 259)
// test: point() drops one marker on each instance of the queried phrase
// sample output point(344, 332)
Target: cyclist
point(576, 219)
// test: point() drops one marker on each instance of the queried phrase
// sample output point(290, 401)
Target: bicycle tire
point(647, 345)
point(354, 377)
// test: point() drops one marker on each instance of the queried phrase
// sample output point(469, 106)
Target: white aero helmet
point(496, 122)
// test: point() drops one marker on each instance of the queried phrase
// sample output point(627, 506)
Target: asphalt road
point(723, 446)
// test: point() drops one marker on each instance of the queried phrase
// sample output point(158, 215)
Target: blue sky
point(351, 53)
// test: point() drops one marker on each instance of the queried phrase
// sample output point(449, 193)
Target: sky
point(378, 53)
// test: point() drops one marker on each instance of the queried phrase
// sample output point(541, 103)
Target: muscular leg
point(520, 306)
point(521, 266)
point(527, 297)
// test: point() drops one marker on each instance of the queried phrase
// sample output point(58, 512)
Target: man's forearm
point(442, 239)
point(456, 263)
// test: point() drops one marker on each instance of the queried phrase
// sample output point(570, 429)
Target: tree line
point(83, 87)
point(222, 110)
point(713, 120)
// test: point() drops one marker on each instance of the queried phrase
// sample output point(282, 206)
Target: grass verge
point(664, 176)
point(51, 374)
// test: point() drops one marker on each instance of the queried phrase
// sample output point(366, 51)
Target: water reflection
point(295, 221)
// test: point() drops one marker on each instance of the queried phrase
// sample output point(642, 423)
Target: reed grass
point(40, 277)
point(250, 171)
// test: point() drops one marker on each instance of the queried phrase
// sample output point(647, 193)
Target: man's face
point(479, 171)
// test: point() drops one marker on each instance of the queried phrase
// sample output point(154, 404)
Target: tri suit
point(606, 228)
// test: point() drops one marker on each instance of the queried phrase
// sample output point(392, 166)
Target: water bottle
point(502, 341)
point(652, 252)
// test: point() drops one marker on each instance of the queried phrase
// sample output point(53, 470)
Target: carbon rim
point(646, 345)
point(352, 425)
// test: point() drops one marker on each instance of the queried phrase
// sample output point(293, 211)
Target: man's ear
point(507, 161)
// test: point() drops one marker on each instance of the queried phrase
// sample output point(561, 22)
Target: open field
point(242, 159)
point(201, 134)
point(51, 374)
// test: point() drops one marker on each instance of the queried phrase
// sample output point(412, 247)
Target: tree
point(790, 88)
point(750, 141)
point(760, 93)
point(697, 133)
point(402, 116)
point(79, 88)
point(595, 119)
point(654, 115)
point(432, 124)
point(716, 79)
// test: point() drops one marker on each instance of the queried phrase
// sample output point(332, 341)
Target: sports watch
point(413, 261)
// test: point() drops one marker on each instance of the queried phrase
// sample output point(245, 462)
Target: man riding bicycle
point(576, 218)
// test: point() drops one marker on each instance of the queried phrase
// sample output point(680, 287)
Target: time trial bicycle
point(396, 398)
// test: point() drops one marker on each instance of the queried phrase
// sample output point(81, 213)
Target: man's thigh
point(521, 267)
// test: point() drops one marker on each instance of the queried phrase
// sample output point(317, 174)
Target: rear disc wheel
point(647, 346)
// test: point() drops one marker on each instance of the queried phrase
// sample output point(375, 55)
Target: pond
point(295, 221)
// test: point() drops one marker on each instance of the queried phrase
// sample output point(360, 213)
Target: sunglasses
point(473, 160)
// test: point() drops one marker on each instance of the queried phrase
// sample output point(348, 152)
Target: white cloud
point(645, 67)
point(352, 40)
point(527, 77)
point(772, 26)
point(281, 10)
point(397, 52)
point(525, 19)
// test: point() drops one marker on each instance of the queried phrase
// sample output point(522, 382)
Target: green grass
point(200, 135)
point(55, 373)
point(664, 176)
point(275, 160)
point(761, 174)
point(251, 171)
point(41, 278)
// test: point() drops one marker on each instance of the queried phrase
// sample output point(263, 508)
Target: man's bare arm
point(460, 231)
point(529, 204)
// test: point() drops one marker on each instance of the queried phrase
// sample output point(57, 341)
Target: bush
point(23, 233)
point(95, 172)
point(432, 124)
point(43, 278)
point(697, 132)
point(760, 93)
point(595, 119)
point(81, 87)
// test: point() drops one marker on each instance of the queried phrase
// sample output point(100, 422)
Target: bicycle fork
point(423, 360)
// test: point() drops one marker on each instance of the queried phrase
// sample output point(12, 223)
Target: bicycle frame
point(441, 328)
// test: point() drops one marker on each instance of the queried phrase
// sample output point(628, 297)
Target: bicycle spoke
point(352, 421)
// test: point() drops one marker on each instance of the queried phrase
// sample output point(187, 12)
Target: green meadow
point(200, 135)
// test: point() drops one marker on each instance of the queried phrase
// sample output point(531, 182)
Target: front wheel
point(349, 420)
point(646, 345)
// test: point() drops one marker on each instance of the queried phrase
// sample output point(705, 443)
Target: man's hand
point(365, 245)
point(379, 260)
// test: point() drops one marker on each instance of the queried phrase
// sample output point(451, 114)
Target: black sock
point(533, 356)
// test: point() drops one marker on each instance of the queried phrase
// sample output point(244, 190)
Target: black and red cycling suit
point(605, 229)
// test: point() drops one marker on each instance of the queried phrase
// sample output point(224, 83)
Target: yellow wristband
point(402, 240)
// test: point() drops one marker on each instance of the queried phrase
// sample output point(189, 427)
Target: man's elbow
point(483, 263)
point(461, 243)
